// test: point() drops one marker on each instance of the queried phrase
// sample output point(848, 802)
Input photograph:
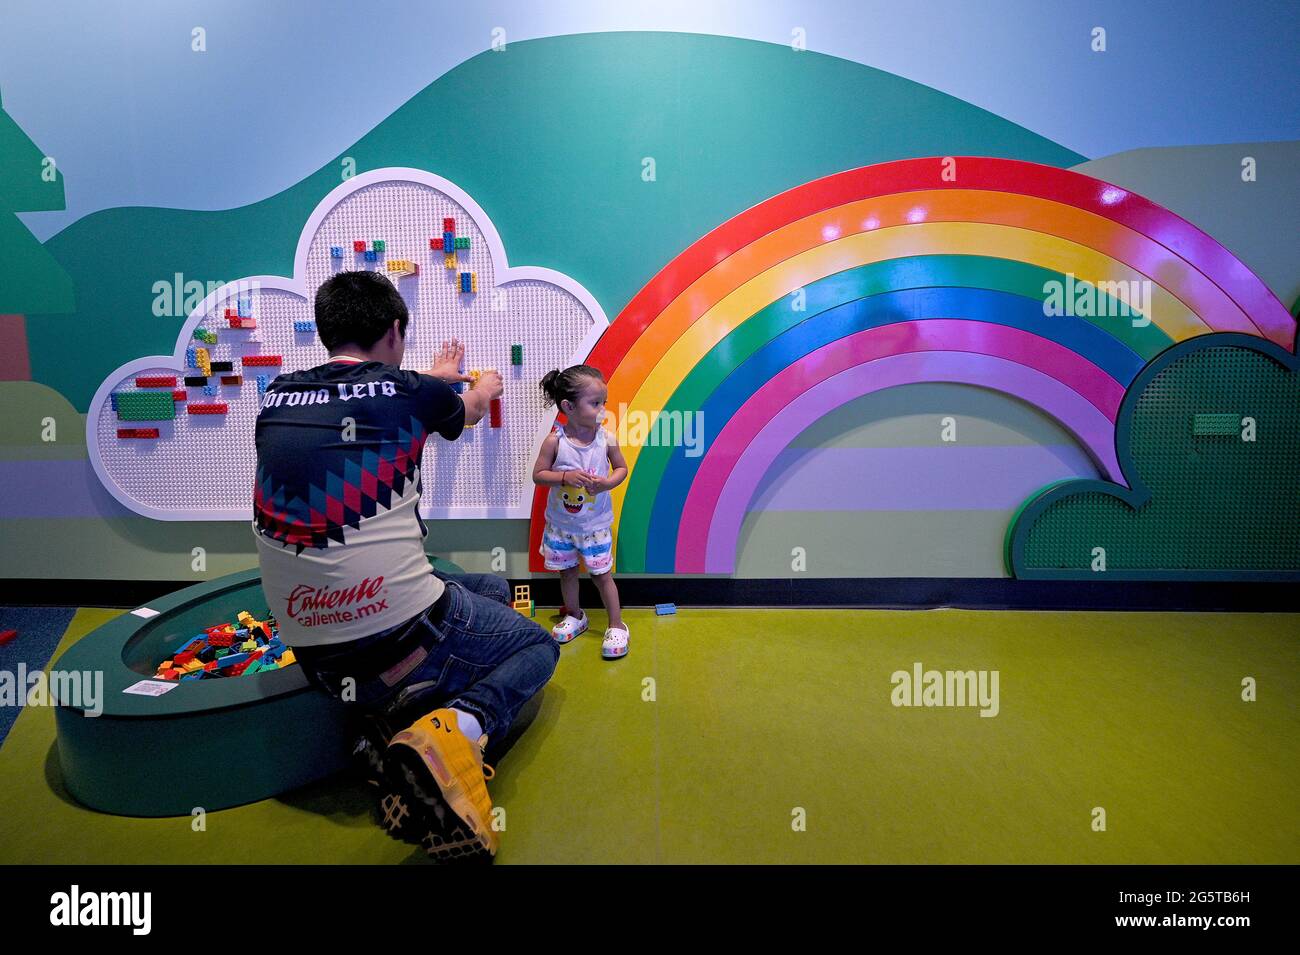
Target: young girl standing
point(581, 462)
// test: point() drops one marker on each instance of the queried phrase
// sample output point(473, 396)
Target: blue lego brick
point(372, 255)
point(466, 282)
point(304, 326)
point(195, 641)
point(664, 610)
point(209, 390)
point(449, 242)
point(336, 252)
point(113, 399)
point(191, 357)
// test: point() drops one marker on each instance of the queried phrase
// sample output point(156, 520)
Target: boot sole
point(446, 837)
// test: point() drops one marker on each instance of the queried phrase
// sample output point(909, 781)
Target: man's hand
point(489, 382)
point(479, 397)
point(446, 364)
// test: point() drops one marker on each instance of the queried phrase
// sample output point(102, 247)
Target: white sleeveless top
point(576, 509)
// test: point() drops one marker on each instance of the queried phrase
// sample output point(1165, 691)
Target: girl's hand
point(576, 478)
point(446, 364)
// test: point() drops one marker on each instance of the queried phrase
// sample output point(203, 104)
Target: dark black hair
point(567, 385)
point(357, 308)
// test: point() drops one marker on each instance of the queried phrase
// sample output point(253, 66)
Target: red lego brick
point(359, 245)
point(494, 413)
point(218, 408)
point(156, 381)
point(232, 313)
point(6, 636)
point(449, 224)
point(137, 432)
point(260, 360)
point(180, 394)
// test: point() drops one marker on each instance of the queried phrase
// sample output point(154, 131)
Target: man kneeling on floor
point(341, 547)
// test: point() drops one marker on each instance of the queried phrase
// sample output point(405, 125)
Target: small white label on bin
point(150, 688)
point(145, 612)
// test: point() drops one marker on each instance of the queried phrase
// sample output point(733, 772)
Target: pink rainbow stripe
point(1070, 388)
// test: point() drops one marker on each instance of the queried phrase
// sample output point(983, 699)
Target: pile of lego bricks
point(227, 650)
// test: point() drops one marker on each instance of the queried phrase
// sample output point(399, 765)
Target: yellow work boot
point(442, 770)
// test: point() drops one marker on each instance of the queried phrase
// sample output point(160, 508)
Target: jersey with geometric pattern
point(336, 500)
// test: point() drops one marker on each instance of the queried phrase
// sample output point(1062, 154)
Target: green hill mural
point(600, 155)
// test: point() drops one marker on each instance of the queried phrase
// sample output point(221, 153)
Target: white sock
point(468, 724)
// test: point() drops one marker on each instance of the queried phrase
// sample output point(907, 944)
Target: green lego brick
point(1216, 424)
point(145, 406)
point(462, 242)
point(379, 245)
point(516, 354)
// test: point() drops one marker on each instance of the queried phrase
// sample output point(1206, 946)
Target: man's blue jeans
point(481, 656)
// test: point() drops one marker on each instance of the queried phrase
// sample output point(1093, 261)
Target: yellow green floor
point(757, 714)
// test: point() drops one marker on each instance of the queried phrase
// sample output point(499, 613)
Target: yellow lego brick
point(286, 658)
point(523, 592)
point(449, 260)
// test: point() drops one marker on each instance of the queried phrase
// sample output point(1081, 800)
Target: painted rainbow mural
point(920, 270)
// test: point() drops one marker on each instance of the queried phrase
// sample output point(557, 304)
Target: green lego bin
point(208, 744)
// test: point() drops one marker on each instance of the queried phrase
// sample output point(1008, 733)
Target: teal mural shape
point(1203, 503)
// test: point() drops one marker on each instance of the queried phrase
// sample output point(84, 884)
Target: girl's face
point(588, 410)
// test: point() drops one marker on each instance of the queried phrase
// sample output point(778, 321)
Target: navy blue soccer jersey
point(336, 502)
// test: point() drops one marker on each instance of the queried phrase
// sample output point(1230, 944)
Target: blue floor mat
point(39, 631)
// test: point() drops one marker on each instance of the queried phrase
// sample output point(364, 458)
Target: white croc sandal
point(614, 646)
point(569, 627)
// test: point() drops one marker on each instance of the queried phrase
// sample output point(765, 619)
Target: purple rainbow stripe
point(1074, 391)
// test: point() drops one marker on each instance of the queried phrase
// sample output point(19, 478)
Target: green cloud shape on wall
point(1208, 437)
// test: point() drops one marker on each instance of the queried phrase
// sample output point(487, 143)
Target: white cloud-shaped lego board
point(201, 466)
